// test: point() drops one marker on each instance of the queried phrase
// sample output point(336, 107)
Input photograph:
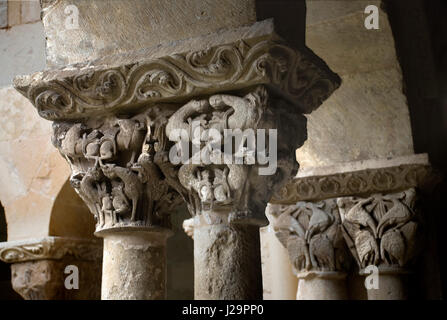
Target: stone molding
point(80, 91)
point(358, 178)
point(50, 248)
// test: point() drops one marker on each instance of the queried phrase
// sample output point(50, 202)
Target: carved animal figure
point(358, 215)
point(397, 216)
point(367, 249)
point(133, 188)
point(89, 191)
point(178, 121)
point(392, 247)
point(130, 136)
point(247, 110)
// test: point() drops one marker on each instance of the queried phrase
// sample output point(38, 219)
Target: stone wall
point(367, 117)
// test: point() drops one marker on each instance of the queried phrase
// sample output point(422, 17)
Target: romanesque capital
point(233, 175)
point(382, 230)
point(312, 234)
point(38, 267)
point(115, 163)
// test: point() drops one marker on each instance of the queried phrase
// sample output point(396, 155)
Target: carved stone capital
point(382, 230)
point(38, 267)
point(312, 234)
point(234, 185)
point(116, 168)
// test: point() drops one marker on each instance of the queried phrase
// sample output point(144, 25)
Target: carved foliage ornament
point(180, 76)
point(382, 229)
point(312, 234)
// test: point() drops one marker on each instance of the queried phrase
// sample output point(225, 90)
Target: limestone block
point(30, 11)
point(22, 50)
point(130, 25)
point(14, 12)
point(32, 172)
point(367, 118)
point(3, 13)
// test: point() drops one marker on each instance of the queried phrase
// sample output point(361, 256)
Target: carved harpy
point(382, 229)
point(116, 167)
point(92, 91)
point(311, 233)
point(238, 189)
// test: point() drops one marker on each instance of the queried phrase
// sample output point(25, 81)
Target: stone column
point(382, 232)
point(118, 119)
point(373, 204)
point(312, 234)
point(38, 267)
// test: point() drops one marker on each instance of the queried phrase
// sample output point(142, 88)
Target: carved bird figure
point(358, 215)
point(398, 215)
point(366, 247)
point(392, 247)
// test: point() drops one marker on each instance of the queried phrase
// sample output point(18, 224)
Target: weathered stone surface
point(44, 280)
point(227, 262)
point(143, 23)
point(367, 118)
point(30, 11)
point(134, 265)
point(38, 267)
point(22, 51)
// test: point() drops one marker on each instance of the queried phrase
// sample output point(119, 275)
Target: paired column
point(361, 211)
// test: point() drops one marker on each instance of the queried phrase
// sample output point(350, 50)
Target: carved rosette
point(382, 230)
point(223, 190)
point(311, 232)
point(116, 167)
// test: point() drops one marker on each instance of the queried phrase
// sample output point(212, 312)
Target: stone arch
point(70, 217)
point(6, 291)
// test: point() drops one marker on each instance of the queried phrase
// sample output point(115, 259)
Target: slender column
point(134, 265)
point(227, 261)
point(312, 234)
point(278, 280)
point(382, 232)
point(38, 267)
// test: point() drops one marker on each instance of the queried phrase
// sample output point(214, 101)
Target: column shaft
point(134, 266)
point(227, 262)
